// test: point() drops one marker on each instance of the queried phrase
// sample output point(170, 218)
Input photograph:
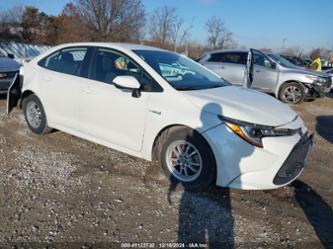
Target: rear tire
point(35, 115)
point(292, 93)
point(186, 158)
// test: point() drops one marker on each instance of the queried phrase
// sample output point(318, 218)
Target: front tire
point(292, 93)
point(35, 115)
point(187, 158)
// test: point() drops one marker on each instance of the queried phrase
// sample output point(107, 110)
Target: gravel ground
point(59, 191)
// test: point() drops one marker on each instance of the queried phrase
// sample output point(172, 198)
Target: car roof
point(115, 45)
point(228, 50)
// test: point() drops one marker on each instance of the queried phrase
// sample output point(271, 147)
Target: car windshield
point(181, 72)
point(282, 61)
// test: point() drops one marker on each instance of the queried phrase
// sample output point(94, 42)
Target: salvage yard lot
point(59, 188)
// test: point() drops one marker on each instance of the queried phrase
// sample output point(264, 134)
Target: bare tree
point(227, 41)
point(164, 25)
point(216, 31)
point(72, 28)
point(114, 20)
point(10, 19)
point(180, 33)
point(12, 16)
point(293, 51)
point(167, 29)
point(176, 28)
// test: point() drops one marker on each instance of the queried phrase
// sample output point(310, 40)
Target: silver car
point(271, 74)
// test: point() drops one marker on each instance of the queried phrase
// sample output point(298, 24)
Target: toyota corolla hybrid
point(159, 105)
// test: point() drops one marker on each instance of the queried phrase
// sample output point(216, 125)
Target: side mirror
point(11, 56)
point(274, 65)
point(128, 83)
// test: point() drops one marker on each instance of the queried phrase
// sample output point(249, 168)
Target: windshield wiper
point(189, 88)
point(186, 88)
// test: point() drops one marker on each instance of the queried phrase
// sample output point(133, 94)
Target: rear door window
point(215, 57)
point(230, 57)
point(68, 61)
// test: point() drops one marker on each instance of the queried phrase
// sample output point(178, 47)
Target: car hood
point(301, 70)
point(8, 65)
point(242, 104)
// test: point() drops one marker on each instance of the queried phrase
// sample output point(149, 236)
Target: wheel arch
point(24, 95)
point(278, 90)
point(156, 144)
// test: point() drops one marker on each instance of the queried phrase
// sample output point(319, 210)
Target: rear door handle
point(258, 71)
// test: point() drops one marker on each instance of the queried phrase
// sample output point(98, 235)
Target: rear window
point(67, 61)
point(233, 57)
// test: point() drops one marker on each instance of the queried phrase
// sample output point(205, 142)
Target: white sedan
point(159, 105)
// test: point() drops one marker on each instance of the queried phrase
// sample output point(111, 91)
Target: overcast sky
point(254, 23)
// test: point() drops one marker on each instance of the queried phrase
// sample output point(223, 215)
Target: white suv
point(159, 105)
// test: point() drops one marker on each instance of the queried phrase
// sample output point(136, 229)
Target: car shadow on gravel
point(206, 217)
point(317, 211)
point(324, 127)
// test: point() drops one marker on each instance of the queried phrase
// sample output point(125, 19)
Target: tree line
point(111, 21)
point(115, 21)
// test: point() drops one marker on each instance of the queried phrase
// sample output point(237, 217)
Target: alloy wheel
point(292, 94)
point(34, 114)
point(184, 161)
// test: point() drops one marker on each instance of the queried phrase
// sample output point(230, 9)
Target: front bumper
point(319, 90)
point(244, 166)
point(4, 84)
point(295, 162)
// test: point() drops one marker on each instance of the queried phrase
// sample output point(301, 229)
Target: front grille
point(295, 161)
point(4, 85)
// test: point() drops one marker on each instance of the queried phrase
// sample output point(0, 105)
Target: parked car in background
point(305, 62)
point(8, 69)
point(159, 105)
point(272, 74)
point(296, 60)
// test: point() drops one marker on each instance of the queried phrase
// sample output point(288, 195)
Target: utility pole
point(284, 40)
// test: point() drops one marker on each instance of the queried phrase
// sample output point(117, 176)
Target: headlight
point(316, 78)
point(3, 75)
point(253, 133)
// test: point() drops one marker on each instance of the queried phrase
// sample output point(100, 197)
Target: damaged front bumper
point(295, 162)
point(318, 89)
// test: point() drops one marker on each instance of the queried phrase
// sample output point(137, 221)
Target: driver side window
point(109, 64)
point(261, 60)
